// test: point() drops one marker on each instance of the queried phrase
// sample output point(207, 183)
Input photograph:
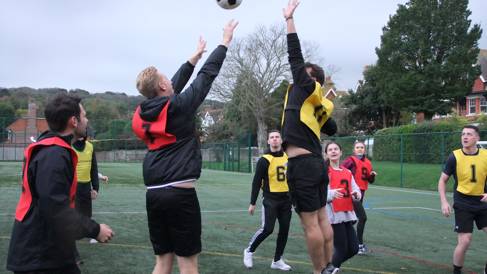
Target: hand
point(200, 49)
point(484, 198)
point(94, 194)
point(251, 209)
point(228, 32)
point(104, 179)
point(338, 193)
point(445, 209)
point(289, 10)
point(356, 195)
point(105, 234)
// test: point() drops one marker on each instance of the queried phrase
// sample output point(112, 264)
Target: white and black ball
point(229, 4)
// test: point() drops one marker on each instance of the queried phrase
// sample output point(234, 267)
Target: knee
point(464, 240)
point(267, 231)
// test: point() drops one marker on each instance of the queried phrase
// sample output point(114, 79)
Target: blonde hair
point(147, 82)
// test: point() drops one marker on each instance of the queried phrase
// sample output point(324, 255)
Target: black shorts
point(307, 179)
point(464, 219)
point(70, 269)
point(174, 218)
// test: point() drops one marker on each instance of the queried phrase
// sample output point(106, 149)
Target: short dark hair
point(272, 131)
point(60, 109)
point(473, 127)
point(317, 72)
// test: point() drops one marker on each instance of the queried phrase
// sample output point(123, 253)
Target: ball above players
point(229, 4)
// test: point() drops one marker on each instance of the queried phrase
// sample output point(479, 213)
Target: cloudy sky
point(102, 45)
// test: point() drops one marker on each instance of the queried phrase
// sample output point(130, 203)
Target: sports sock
point(457, 269)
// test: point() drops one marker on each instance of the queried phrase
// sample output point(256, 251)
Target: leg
point(314, 239)
point(188, 265)
point(284, 218)
point(163, 264)
point(352, 240)
point(327, 232)
point(464, 220)
point(340, 244)
point(269, 216)
point(362, 218)
point(464, 240)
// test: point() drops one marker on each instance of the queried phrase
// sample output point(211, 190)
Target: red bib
point(153, 134)
point(25, 200)
point(362, 172)
point(341, 179)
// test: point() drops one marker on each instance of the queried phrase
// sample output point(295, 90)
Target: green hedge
point(428, 142)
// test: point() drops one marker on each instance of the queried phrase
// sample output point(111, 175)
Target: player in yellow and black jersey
point(270, 176)
point(468, 166)
point(307, 114)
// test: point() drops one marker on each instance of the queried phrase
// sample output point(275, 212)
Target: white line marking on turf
point(245, 210)
point(424, 192)
point(403, 207)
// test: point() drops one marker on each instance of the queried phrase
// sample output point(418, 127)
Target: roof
point(21, 125)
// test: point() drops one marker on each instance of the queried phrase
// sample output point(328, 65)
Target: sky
point(102, 45)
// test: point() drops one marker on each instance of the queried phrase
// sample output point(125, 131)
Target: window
point(483, 105)
point(471, 106)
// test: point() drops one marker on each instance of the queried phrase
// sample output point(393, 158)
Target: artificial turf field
point(405, 232)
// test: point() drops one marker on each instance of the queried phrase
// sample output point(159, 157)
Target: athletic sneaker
point(281, 265)
point(247, 258)
point(93, 241)
point(330, 269)
point(362, 249)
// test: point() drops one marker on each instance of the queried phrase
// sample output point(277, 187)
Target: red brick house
point(475, 102)
point(21, 131)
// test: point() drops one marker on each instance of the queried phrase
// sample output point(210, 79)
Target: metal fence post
point(249, 144)
point(402, 160)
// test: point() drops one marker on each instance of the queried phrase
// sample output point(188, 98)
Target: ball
point(229, 4)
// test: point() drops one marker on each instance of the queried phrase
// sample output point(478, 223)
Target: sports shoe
point(93, 241)
point(281, 265)
point(330, 269)
point(362, 249)
point(247, 258)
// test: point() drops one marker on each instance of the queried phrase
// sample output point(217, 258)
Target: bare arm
point(445, 206)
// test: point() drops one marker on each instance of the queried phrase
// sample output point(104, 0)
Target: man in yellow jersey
point(270, 175)
point(307, 115)
point(88, 179)
point(468, 166)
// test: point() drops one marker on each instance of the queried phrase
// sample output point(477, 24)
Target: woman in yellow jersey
point(468, 166)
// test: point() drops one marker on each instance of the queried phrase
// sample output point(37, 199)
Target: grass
point(405, 231)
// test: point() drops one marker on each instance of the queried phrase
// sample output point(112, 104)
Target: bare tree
point(254, 67)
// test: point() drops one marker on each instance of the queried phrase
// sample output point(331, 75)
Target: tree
point(368, 108)
point(7, 116)
point(427, 56)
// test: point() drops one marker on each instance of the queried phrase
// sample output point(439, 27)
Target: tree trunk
point(261, 135)
point(384, 119)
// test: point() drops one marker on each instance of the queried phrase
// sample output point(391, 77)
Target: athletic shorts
point(465, 218)
point(307, 179)
point(174, 219)
point(70, 269)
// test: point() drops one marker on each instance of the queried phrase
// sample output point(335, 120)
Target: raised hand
point(200, 49)
point(289, 10)
point(228, 32)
